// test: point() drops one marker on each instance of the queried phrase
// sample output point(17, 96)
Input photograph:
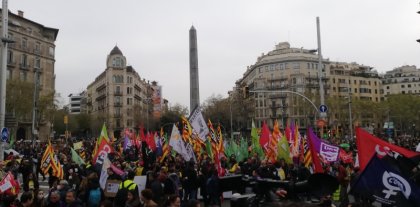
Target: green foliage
point(19, 99)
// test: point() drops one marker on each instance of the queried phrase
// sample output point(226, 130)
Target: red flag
point(9, 185)
point(265, 137)
point(315, 158)
point(346, 157)
point(368, 145)
point(142, 137)
point(103, 150)
point(150, 140)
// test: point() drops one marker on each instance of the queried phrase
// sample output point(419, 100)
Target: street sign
point(323, 108)
point(320, 123)
point(4, 134)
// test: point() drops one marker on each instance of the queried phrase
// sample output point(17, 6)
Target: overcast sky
point(153, 35)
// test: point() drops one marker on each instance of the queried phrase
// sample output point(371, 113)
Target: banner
point(368, 145)
point(385, 184)
point(328, 152)
point(103, 150)
point(177, 144)
point(78, 145)
point(198, 124)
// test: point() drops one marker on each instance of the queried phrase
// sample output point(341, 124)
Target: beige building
point(119, 97)
point(296, 70)
point(402, 80)
point(33, 49)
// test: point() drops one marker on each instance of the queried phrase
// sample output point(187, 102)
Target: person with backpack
point(94, 194)
point(125, 186)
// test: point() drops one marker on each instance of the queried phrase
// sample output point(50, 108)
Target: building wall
point(296, 70)
point(34, 48)
point(118, 96)
point(402, 80)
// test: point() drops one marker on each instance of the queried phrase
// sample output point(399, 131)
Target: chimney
point(20, 13)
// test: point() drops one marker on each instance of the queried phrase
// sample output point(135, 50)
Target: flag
point(328, 152)
point(150, 140)
point(159, 150)
point(307, 159)
point(221, 147)
point(368, 145)
point(214, 140)
point(9, 186)
point(186, 130)
point(46, 159)
point(199, 124)
point(264, 138)
point(316, 162)
point(165, 149)
point(103, 150)
point(104, 133)
point(284, 150)
point(346, 157)
point(127, 143)
point(57, 168)
point(77, 145)
point(243, 150)
point(178, 145)
point(274, 142)
point(12, 141)
point(76, 158)
point(208, 148)
point(386, 184)
point(256, 147)
point(104, 172)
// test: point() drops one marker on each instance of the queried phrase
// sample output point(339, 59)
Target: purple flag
point(127, 143)
point(327, 151)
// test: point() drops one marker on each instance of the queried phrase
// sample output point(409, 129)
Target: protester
point(147, 197)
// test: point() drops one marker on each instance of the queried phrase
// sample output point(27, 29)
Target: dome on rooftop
point(116, 51)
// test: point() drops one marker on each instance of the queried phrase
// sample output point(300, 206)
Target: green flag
point(256, 147)
point(283, 150)
point(12, 141)
point(76, 158)
point(243, 148)
point(208, 149)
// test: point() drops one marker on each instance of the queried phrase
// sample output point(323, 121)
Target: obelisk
point(194, 89)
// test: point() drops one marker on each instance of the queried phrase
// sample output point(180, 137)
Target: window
point(24, 43)
point(333, 80)
point(308, 65)
point(409, 86)
point(37, 47)
point(355, 81)
point(118, 99)
point(281, 66)
point(24, 61)
point(266, 68)
point(37, 63)
point(296, 65)
point(22, 75)
point(129, 101)
point(51, 51)
point(8, 74)
point(355, 90)
point(402, 86)
point(117, 123)
point(271, 67)
point(9, 57)
point(117, 89)
point(260, 70)
point(285, 66)
point(117, 62)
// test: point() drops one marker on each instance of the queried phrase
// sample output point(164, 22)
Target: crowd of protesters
point(173, 182)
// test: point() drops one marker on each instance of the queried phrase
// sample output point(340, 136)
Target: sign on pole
point(323, 108)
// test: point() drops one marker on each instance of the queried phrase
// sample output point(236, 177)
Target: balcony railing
point(118, 93)
point(117, 104)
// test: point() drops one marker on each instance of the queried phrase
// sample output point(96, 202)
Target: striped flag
point(274, 141)
point(46, 159)
point(186, 130)
point(307, 154)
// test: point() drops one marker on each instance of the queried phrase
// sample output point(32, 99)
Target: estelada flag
point(368, 145)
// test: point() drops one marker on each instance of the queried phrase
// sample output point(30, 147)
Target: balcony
point(24, 66)
point(101, 87)
point(278, 87)
point(312, 85)
point(116, 104)
point(11, 63)
point(282, 95)
point(278, 106)
point(118, 93)
point(100, 97)
point(278, 79)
